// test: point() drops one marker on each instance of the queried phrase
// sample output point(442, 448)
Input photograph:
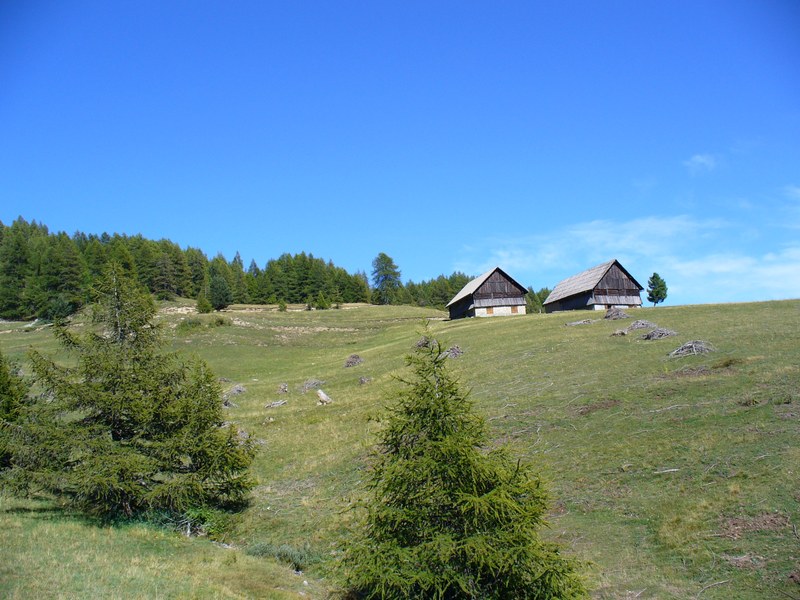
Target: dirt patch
point(178, 310)
point(700, 371)
point(242, 323)
point(786, 413)
point(734, 527)
point(594, 407)
point(746, 561)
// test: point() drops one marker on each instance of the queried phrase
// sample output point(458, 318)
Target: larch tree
point(385, 280)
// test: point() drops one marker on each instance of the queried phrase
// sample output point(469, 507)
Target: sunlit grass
point(648, 457)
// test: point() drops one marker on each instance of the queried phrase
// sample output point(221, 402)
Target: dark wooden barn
point(599, 288)
point(492, 294)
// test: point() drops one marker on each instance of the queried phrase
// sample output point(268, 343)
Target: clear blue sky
point(543, 137)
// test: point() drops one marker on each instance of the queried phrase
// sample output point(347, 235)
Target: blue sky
point(543, 137)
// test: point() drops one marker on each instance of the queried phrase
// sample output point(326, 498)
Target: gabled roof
point(473, 285)
point(584, 281)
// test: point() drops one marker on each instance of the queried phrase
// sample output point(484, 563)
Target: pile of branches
point(353, 360)
point(454, 352)
point(234, 391)
point(311, 384)
point(659, 333)
point(584, 322)
point(692, 348)
point(614, 313)
point(641, 324)
point(425, 342)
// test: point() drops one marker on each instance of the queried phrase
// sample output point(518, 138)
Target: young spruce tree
point(127, 428)
point(13, 391)
point(447, 517)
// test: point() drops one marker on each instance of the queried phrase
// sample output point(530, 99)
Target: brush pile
point(659, 333)
point(641, 324)
point(454, 352)
point(692, 348)
point(353, 360)
point(311, 384)
point(614, 314)
point(584, 322)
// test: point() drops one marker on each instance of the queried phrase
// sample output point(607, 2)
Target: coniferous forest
point(49, 275)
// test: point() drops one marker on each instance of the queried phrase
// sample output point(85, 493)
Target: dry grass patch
point(735, 527)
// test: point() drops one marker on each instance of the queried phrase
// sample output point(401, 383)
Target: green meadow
point(669, 477)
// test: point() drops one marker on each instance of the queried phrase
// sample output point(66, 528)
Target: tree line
point(49, 275)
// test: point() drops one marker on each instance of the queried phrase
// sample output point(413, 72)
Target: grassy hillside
point(671, 477)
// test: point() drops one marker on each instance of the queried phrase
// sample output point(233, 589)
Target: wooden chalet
point(494, 293)
point(599, 288)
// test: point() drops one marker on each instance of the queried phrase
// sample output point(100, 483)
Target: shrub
point(298, 558)
point(220, 321)
point(204, 304)
point(189, 325)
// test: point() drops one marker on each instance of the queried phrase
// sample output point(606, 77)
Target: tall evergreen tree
point(95, 256)
point(12, 395)
point(385, 280)
point(197, 263)
point(446, 517)
point(129, 428)
point(219, 292)
point(656, 289)
point(534, 301)
point(62, 277)
point(239, 288)
point(14, 269)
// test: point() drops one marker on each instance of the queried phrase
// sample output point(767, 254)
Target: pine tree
point(14, 269)
point(656, 289)
point(219, 292)
point(197, 264)
point(12, 394)
point(129, 428)
point(446, 517)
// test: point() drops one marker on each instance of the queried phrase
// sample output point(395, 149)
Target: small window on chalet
point(514, 310)
point(490, 310)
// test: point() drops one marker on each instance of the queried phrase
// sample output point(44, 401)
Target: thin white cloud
point(792, 192)
point(772, 276)
point(702, 260)
point(701, 163)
